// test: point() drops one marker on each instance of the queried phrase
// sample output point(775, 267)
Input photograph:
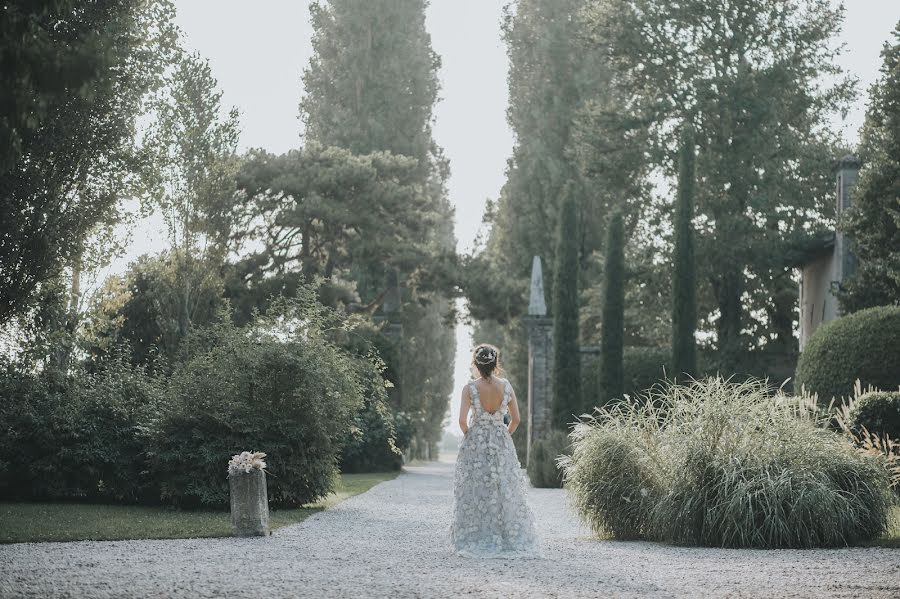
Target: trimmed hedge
point(864, 345)
point(878, 412)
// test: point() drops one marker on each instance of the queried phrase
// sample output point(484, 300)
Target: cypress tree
point(613, 331)
point(684, 301)
point(566, 355)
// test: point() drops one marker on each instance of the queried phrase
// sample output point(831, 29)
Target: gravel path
point(391, 542)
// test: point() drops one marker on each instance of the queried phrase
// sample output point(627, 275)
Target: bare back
point(490, 393)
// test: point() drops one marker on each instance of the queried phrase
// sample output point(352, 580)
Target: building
point(826, 262)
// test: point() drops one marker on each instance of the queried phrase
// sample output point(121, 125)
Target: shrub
point(76, 436)
point(717, 463)
point(291, 394)
point(878, 412)
point(864, 345)
point(543, 469)
point(370, 445)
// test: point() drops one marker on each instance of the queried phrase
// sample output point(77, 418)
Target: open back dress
point(491, 517)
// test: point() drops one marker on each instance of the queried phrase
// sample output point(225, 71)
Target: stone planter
point(249, 504)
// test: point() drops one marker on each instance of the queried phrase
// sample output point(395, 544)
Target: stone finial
point(537, 306)
point(849, 161)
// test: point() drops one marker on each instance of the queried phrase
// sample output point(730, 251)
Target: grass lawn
point(30, 522)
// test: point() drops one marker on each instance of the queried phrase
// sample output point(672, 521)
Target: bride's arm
point(464, 406)
point(514, 418)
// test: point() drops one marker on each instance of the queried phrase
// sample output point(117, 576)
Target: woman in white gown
point(491, 517)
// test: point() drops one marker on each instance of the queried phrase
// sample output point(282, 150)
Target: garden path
point(392, 542)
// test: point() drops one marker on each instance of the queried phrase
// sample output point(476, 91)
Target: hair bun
point(485, 355)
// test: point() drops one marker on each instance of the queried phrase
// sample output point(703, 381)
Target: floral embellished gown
point(491, 517)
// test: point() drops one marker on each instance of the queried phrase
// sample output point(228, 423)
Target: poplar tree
point(613, 331)
point(371, 85)
point(566, 355)
point(684, 284)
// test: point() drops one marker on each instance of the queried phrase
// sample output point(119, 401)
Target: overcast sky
point(258, 49)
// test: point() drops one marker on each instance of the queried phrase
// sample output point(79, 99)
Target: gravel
point(392, 542)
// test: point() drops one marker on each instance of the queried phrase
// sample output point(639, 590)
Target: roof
point(810, 248)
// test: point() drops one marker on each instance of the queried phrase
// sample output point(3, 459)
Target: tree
point(684, 277)
point(194, 151)
point(67, 125)
point(612, 347)
point(371, 86)
point(873, 222)
point(566, 354)
point(372, 83)
point(143, 309)
point(746, 75)
point(319, 211)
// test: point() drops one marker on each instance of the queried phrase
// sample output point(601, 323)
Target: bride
point(490, 515)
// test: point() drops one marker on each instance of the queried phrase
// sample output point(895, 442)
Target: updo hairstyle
point(486, 359)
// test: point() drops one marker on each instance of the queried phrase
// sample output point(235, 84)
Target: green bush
point(370, 446)
point(878, 412)
point(292, 395)
point(724, 464)
point(76, 436)
point(864, 345)
point(543, 470)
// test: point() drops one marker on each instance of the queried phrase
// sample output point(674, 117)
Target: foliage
point(371, 444)
point(644, 367)
point(370, 87)
point(873, 222)
point(77, 436)
point(194, 155)
point(842, 416)
point(277, 385)
point(543, 469)
point(372, 82)
point(864, 345)
point(67, 126)
point(878, 412)
point(613, 332)
point(723, 464)
point(321, 208)
point(566, 399)
point(144, 309)
point(684, 276)
point(745, 86)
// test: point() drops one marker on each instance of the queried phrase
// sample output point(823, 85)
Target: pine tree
point(613, 331)
point(566, 355)
point(873, 223)
point(684, 300)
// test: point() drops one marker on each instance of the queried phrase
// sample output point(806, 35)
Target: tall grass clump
point(724, 464)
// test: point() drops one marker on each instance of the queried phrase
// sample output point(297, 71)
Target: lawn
point(30, 522)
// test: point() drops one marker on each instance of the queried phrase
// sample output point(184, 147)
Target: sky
point(258, 48)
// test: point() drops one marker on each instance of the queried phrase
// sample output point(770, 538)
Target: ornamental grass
point(724, 464)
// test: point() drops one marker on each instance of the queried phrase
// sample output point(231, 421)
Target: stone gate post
point(540, 359)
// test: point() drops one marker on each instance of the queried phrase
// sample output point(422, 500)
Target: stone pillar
point(844, 261)
point(249, 504)
point(540, 360)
